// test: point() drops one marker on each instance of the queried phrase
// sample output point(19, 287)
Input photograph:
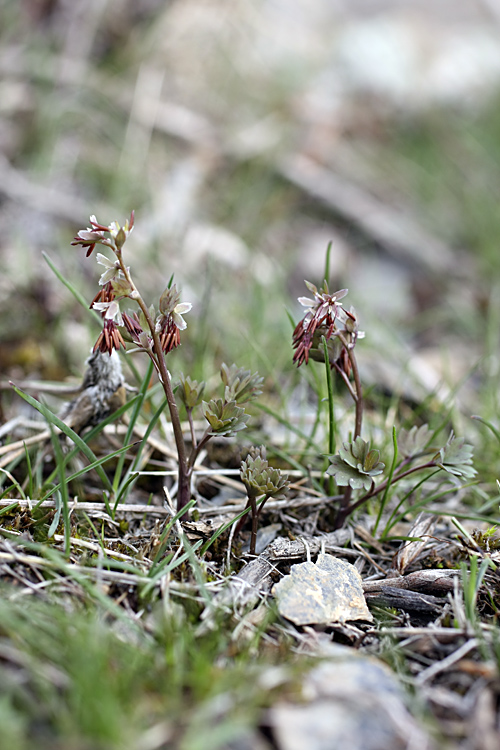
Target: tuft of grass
point(74, 681)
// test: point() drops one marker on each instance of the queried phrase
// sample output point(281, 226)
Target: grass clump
point(74, 681)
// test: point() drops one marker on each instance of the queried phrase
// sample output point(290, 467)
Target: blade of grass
point(166, 567)
point(94, 465)
point(222, 529)
point(393, 518)
point(8, 509)
point(166, 532)
point(76, 294)
point(73, 436)
point(197, 571)
point(57, 515)
point(389, 480)
point(31, 485)
point(326, 276)
point(133, 419)
point(15, 483)
point(127, 481)
point(91, 434)
point(64, 494)
point(489, 425)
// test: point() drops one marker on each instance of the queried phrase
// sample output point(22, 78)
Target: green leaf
point(189, 391)
point(240, 385)
point(413, 441)
point(224, 418)
point(348, 475)
point(356, 464)
point(261, 479)
point(456, 458)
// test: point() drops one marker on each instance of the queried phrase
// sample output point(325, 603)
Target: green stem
point(345, 508)
point(331, 412)
point(389, 480)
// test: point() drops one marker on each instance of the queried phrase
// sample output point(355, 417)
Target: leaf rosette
point(355, 465)
point(224, 418)
point(261, 479)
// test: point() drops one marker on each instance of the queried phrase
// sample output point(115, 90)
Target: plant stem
point(345, 507)
point(184, 470)
point(357, 381)
point(331, 411)
point(389, 479)
point(374, 492)
point(191, 427)
point(255, 525)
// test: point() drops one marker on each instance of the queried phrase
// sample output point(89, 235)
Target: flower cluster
point(157, 332)
point(96, 235)
point(170, 322)
point(110, 337)
point(117, 284)
point(325, 317)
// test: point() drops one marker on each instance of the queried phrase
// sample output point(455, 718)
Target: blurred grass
point(75, 682)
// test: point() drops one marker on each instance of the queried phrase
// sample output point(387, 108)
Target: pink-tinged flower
point(88, 238)
point(179, 310)
point(324, 306)
point(96, 235)
point(138, 336)
point(110, 337)
point(170, 322)
point(170, 336)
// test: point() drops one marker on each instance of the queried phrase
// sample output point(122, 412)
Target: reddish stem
point(184, 469)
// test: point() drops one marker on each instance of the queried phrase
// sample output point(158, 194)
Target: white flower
point(112, 268)
point(112, 310)
point(177, 313)
point(174, 316)
point(114, 228)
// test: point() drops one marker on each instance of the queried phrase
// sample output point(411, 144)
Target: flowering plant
point(329, 333)
point(157, 333)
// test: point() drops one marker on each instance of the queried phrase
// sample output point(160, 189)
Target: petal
point(108, 276)
point(104, 261)
point(312, 287)
point(340, 294)
point(114, 313)
point(306, 302)
point(179, 321)
point(182, 308)
point(89, 236)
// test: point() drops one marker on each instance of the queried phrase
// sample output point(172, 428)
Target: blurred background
point(247, 136)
